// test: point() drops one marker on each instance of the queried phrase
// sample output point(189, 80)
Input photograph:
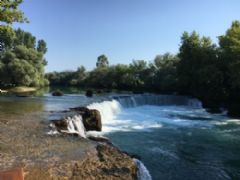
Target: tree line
point(208, 71)
point(202, 69)
point(21, 55)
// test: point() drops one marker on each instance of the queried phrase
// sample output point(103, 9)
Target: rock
point(102, 162)
point(57, 93)
point(80, 110)
point(89, 93)
point(91, 118)
point(115, 164)
point(100, 139)
point(60, 124)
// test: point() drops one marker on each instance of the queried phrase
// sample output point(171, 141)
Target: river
point(174, 136)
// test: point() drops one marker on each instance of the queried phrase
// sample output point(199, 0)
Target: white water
point(143, 173)
point(75, 125)
point(140, 112)
point(107, 109)
point(145, 114)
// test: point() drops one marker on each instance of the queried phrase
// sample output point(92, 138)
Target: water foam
point(75, 125)
point(107, 109)
point(142, 112)
point(142, 173)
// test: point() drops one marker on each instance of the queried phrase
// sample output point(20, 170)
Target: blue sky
point(78, 31)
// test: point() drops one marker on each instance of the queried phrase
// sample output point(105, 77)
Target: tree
point(138, 73)
point(230, 53)
point(165, 77)
point(102, 61)
point(9, 13)
point(22, 64)
point(7, 36)
point(230, 57)
point(25, 39)
point(42, 46)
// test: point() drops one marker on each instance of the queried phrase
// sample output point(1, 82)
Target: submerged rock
point(89, 93)
point(57, 93)
point(100, 139)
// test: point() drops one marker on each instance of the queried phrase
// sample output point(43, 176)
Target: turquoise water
point(181, 142)
point(174, 140)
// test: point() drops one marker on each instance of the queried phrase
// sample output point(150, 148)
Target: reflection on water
point(9, 106)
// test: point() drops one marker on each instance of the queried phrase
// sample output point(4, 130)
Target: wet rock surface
point(101, 162)
point(91, 118)
point(25, 144)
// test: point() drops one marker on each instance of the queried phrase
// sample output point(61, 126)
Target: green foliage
point(7, 36)
point(196, 56)
point(10, 13)
point(230, 53)
point(165, 73)
point(230, 57)
point(200, 69)
point(25, 39)
point(22, 64)
point(102, 61)
point(42, 46)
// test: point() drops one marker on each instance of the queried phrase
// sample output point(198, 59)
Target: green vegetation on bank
point(21, 57)
point(201, 69)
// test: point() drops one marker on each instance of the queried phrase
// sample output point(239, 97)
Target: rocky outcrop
point(60, 124)
point(91, 118)
point(105, 162)
point(109, 163)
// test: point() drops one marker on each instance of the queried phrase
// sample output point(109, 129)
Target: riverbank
point(24, 143)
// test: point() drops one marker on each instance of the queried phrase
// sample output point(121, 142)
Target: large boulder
point(91, 118)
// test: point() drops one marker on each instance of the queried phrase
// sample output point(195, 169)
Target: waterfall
point(75, 125)
point(158, 100)
point(107, 109)
point(110, 108)
point(142, 173)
